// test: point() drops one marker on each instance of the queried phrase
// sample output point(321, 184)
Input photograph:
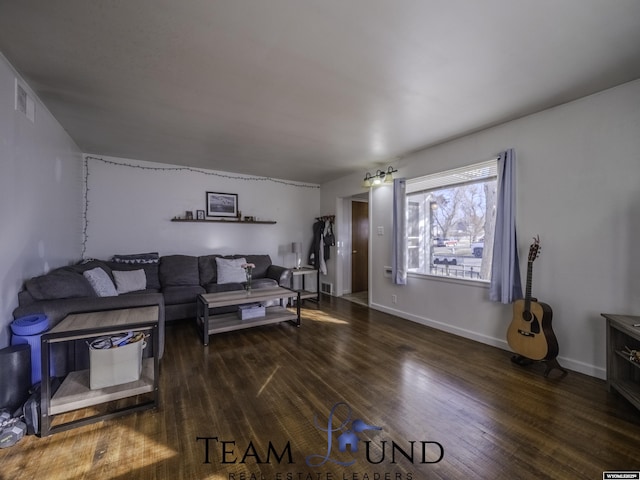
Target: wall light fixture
point(378, 178)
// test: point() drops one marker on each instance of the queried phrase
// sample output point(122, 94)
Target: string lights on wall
point(378, 178)
point(227, 176)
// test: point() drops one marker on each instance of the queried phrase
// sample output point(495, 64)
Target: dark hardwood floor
point(261, 401)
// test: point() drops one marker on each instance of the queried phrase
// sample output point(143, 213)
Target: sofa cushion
point(89, 264)
point(60, 283)
point(181, 294)
point(142, 292)
point(179, 270)
point(130, 281)
point(230, 270)
point(100, 282)
point(262, 263)
point(223, 287)
point(263, 283)
point(207, 269)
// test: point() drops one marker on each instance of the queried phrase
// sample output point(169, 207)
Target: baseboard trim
point(568, 363)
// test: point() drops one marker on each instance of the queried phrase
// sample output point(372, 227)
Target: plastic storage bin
point(247, 312)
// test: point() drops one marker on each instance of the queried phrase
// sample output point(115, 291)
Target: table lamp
point(296, 247)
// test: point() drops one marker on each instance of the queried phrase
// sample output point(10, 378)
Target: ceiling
point(308, 90)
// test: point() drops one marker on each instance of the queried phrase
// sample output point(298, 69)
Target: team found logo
point(348, 437)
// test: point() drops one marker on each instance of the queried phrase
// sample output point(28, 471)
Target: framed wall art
point(222, 204)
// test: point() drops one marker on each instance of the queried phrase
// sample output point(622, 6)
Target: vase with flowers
point(248, 269)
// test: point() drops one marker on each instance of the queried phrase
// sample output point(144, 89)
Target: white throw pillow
point(130, 280)
point(100, 282)
point(230, 270)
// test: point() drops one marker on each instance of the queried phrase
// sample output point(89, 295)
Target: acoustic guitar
point(530, 333)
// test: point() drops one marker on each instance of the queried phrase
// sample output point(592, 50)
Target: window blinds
point(458, 176)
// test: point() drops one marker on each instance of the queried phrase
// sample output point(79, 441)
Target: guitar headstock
point(534, 249)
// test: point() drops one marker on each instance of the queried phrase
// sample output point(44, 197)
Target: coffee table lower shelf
point(227, 322)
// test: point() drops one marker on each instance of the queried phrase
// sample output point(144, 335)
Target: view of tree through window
point(450, 220)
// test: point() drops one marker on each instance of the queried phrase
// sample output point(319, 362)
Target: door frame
point(343, 259)
point(364, 206)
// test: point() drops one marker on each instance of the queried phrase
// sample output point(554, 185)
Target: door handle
point(355, 251)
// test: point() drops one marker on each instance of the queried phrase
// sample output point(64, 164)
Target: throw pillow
point(230, 270)
point(130, 280)
point(100, 282)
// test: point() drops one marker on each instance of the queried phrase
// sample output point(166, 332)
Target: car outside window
point(449, 216)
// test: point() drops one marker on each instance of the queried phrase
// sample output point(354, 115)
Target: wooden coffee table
point(209, 324)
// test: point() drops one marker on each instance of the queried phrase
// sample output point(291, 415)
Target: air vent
point(326, 288)
point(24, 103)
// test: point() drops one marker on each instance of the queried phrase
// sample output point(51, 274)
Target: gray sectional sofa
point(173, 282)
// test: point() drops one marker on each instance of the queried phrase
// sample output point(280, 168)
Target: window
point(450, 219)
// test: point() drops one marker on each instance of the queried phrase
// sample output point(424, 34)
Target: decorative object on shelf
point(296, 247)
point(188, 215)
point(200, 214)
point(225, 220)
point(222, 204)
point(634, 355)
point(378, 178)
point(248, 268)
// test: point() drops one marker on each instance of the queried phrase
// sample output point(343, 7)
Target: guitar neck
point(527, 296)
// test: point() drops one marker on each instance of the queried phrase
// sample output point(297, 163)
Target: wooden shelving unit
point(234, 221)
point(75, 393)
point(623, 374)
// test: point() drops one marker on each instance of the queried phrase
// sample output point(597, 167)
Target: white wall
point(40, 194)
point(578, 188)
point(131, 203)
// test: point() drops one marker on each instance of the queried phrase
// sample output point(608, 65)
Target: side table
point(303, 272)
point(74, 392)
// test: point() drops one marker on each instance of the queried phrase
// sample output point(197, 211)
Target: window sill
point(456, 280)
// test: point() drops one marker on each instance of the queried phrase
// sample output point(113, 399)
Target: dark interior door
point(360, 247)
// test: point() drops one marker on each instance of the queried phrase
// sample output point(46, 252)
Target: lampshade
point(378, 178)
point(296, 247)
point(366, 183)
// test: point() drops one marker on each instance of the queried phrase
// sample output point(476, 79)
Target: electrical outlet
point(394, 298)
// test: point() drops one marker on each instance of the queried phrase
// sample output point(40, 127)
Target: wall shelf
point(239, 222)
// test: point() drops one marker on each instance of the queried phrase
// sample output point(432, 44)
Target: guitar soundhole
point(527, 316)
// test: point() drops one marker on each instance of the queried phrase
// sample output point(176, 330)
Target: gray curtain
point(399, 261)
point(505, 270)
